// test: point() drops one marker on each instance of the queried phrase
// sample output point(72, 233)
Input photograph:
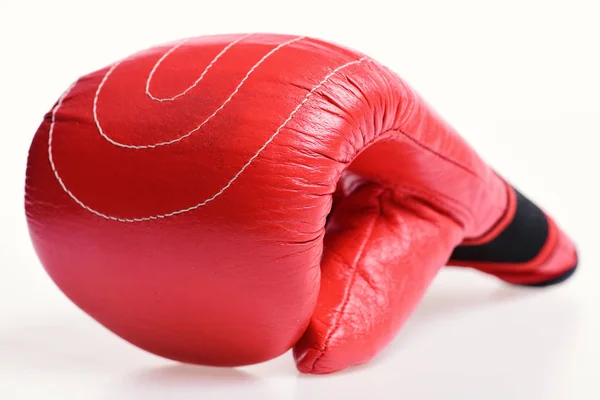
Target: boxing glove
point(222, 199)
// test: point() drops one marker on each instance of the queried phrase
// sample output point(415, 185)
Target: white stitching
point(164, 56)
point(53, 166)
point(208, 200)
point(151, 146)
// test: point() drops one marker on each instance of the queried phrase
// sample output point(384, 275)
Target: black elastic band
point(520, 242)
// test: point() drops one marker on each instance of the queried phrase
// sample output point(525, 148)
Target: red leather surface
point(382, 250)
point(180, 198)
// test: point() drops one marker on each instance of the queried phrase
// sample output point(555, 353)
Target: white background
point(518, 78)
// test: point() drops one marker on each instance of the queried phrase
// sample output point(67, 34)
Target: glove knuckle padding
point(182, 198)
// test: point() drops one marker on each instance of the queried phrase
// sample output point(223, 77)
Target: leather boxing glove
point(223, 199)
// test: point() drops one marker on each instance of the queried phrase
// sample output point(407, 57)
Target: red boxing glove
point(223, 199)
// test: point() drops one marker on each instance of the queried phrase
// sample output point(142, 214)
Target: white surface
point(519, 79)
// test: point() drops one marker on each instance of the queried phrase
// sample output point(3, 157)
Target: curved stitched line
point(159, 216)
point(214, 196)
point(197, 81)
point(188, 134)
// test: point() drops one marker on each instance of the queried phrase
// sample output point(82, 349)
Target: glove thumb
point(381, 251)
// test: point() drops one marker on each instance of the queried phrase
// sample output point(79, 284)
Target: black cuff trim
point(521, 241)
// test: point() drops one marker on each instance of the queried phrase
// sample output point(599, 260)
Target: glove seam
point(348, 291)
